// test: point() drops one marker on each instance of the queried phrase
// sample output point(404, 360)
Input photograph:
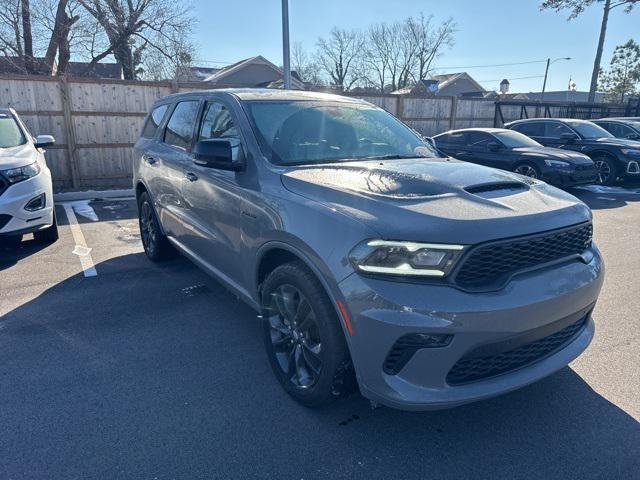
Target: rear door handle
point(149, 159)
point(192, 177)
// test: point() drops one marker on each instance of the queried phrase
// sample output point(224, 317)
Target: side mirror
point(568, 137)
point(216, 154)
point(44, 141)
point(494, 146)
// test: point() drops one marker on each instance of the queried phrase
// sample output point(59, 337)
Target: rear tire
point(606, 170)
point(155, 243)
point(48, 235)
point(528, 170)
point(303, 337)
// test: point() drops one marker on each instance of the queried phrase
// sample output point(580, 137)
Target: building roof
point(15, 65)
point(99, 70)
point(220, 75)
point(446, 79)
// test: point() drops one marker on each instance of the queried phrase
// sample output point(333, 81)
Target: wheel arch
point(275, 253)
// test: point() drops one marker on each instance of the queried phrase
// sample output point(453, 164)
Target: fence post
point(71, 133)
point(453, 113)
point(400, 106)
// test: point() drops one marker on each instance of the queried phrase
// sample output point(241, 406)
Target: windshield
point(303, 132)
point(10, 133)
point(589, 130)
point(513, 139)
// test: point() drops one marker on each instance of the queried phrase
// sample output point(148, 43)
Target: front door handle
point(149, 159)
point(192, 177)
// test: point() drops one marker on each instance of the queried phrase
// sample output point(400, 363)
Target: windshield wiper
point(391, 156)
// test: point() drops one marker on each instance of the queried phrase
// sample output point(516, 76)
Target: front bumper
point(568, 178)
point(14, 219)
point(382, 312)
point(631, 169)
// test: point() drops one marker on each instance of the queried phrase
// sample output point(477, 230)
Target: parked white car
point(26, 191)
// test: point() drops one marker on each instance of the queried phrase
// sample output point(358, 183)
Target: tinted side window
point(479, 139)
point(530, 129)
point(457, 138)
point(555, 130)
point(181, 125)
point(152, 123)
point(217, 123)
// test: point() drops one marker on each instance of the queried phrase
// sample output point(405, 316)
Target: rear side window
point(456, 138)
point(556, 130)
point(530, 129)
point(181, 126)
point(479, 139)
point(10, 133)
point(152, 123)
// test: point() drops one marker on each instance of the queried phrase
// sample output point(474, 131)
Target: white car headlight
point(631, 151)
point(15, 175)
point(557, 164)
point(405, 258)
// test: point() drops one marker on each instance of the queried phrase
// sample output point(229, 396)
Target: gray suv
point(372, 260)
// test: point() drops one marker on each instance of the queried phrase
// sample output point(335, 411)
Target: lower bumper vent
point(472, 368)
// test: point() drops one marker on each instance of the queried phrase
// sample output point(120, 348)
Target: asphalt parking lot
point(157, 372)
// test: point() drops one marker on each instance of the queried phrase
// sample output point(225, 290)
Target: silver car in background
point(371, 259)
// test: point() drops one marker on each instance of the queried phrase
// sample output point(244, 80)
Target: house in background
point(252, 72)
point(447, 85)
point(16, 66)
point(564, 96)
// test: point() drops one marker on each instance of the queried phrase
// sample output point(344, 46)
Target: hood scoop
point(496, 189)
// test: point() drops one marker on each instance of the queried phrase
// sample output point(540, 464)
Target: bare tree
point(398, 54)
point(339, 55)
point(577, 7)
point(22, 30)
point(305, 66)
point(429, 41)
point(134, 26)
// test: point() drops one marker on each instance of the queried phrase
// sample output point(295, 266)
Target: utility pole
point(286, 66)
point(546, 73)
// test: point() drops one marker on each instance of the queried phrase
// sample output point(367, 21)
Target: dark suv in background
point(613, 157)
point(513, 151)
point(628, 128)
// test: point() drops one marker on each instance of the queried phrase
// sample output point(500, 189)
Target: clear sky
point(489, 32)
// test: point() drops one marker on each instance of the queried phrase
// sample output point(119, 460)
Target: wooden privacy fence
point(96, 122)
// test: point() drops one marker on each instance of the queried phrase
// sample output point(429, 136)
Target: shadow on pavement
point(12, 250)
point(136, 374)
point(601, 197)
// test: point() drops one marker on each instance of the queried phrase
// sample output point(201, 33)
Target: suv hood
point(16, 156)
point(575, 158)
point(437, 200)
point(616, 142)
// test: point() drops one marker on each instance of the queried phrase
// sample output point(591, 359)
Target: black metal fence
point(509, 110)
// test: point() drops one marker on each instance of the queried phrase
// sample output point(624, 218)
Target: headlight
point(405, 258)
point(15, 175)
point(557, 164)
point(631, 151)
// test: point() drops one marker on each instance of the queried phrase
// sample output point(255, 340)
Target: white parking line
point(81, 249)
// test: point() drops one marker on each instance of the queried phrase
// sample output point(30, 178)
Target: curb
point(93, 195)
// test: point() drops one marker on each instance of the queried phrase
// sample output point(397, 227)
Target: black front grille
point(492, 263)
point(471, 368)
point(3, 185)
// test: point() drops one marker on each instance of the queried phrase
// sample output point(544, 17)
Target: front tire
point(528, 170)
point(155, 243)
point(303, 337)
point(606, 170)
point(48, 235)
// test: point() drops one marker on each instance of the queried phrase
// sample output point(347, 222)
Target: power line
point(512, 78)
point(494, 65)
